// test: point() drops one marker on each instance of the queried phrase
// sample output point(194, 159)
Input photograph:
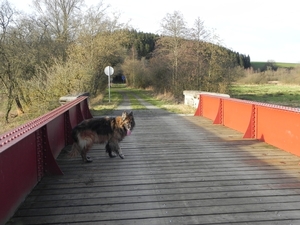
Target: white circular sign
point(109, 70)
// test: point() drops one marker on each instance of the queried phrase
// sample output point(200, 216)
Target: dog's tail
point(76, 150)
point(75, 132)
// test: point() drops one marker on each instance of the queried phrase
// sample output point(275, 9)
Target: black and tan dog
point(109, 130)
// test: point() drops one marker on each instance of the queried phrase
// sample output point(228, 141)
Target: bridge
point(178, 169)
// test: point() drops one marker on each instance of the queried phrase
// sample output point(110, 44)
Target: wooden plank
point(177, 170)
point(265, 201)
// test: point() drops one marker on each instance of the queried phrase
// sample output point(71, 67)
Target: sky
point(263, 29)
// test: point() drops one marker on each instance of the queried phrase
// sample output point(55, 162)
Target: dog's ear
point(124, 115)
point(130, 114)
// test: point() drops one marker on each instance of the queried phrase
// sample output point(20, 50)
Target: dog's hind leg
point(85, 157)
point(85, 146)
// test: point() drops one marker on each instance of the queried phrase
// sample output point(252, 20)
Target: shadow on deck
point(177, 170)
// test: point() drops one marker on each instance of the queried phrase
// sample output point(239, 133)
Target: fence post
point(219, 117)
point(50, 165)
point(251, 130)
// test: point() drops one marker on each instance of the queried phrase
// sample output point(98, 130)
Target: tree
point(94, 21)
point(173, 32)
point(136, 72)
point(199, 35)
point(62, 18)
point(11, 62)
point(60, 50)
point(93, 54)
point(96, 43)
point(161, 82)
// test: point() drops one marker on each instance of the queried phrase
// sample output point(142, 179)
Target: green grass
point(261, 65)
point(258, 65)
point(105, 108)
point(164, 102)
point(286, 65)
point(146, 95)
point(286, 95)
point(149, 97)
point(135, 103)
point(105, 105)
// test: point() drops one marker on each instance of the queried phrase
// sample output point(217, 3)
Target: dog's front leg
point(120, 153)
point(119, 150)
point(114, 146)
point(109, 150)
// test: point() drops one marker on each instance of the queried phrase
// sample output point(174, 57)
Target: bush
point(281, 75)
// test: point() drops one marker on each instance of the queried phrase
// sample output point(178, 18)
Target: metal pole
point(109, 85)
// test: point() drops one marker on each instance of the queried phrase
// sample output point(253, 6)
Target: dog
point(109, 130)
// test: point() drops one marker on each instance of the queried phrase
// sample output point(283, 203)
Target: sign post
point(109, 71)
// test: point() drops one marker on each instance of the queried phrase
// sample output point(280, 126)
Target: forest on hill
point(63, 47)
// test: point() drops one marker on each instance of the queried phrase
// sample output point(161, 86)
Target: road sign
point(109, 70)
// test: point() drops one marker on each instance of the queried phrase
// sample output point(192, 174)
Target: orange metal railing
point(273, 124)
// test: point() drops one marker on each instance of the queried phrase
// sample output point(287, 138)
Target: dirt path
point(151, 109)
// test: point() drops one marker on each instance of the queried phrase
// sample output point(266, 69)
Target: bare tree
point(61, 15)
point(199, 35)
point(95, 21)
point(174, 25)
point(174, 32)
point(62, 18)
point(9, 62)
point(25, 43)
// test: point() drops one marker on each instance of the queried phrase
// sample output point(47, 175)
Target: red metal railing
point(29, 152)
point(273, 124)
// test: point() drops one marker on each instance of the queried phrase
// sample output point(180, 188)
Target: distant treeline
point(144, 43)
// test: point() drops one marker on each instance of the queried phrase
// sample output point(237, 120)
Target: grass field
point(261, 65)
point(286, 95)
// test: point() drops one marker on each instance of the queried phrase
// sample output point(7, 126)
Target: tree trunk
point(8, 109)
point(19, 106)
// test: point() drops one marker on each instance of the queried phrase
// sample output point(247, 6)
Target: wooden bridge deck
point(177, 170)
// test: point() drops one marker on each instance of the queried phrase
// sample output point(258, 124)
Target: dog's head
point(128, 121)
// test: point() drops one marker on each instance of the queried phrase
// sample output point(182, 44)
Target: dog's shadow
point(66, 153)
